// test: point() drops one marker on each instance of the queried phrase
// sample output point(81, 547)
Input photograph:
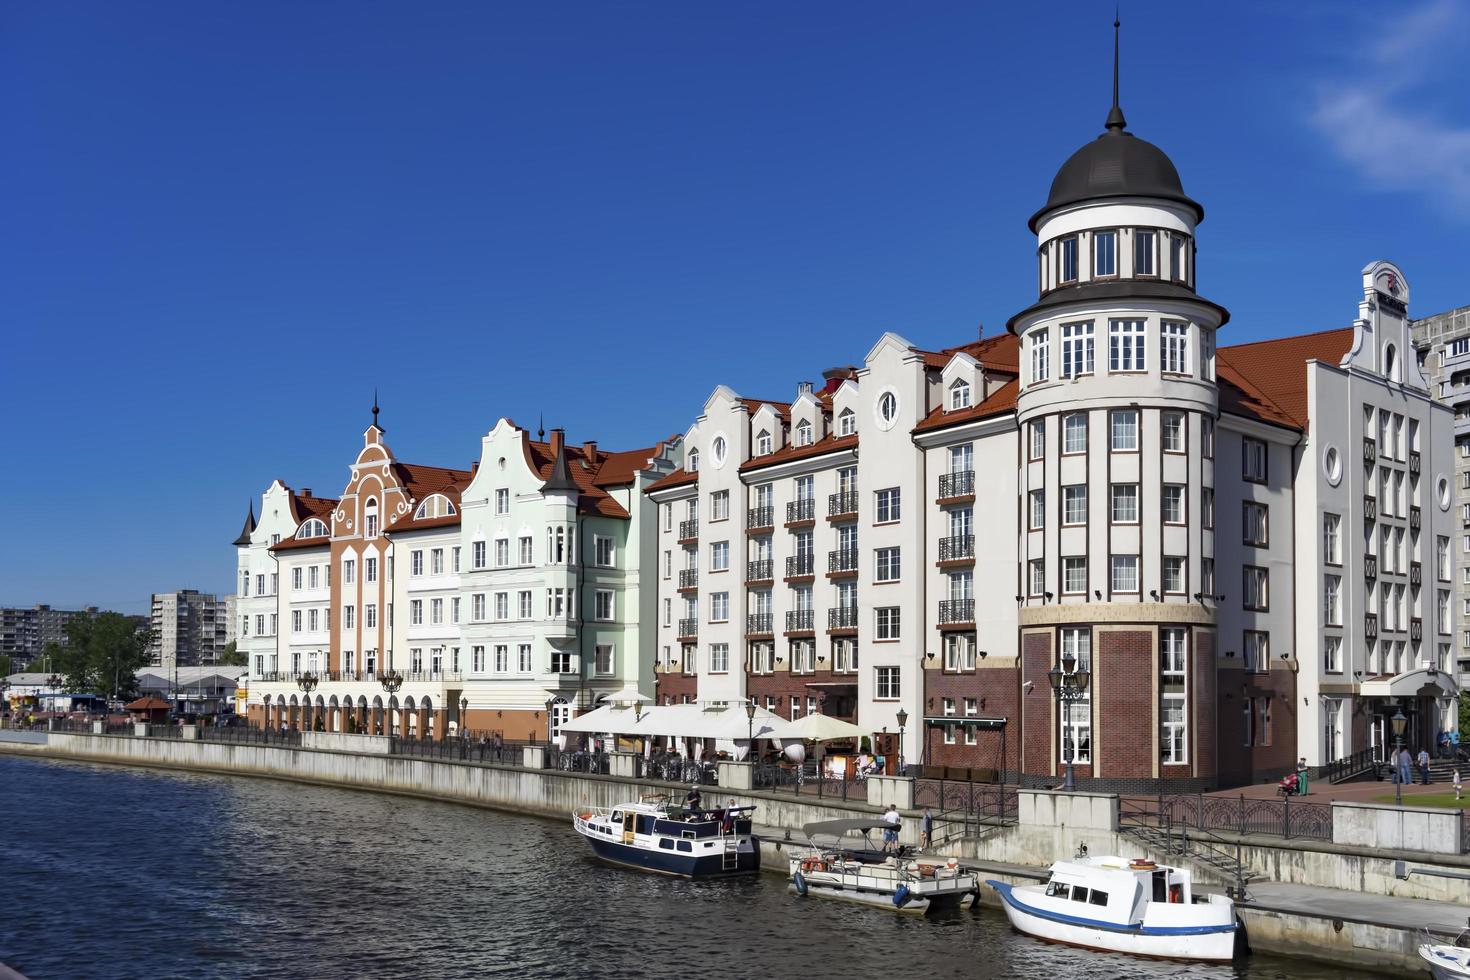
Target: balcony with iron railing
point(800, 620)
point(1370, 625)
point(1414, 463)
point(842, 504)
point(798, 511)
point(842, 561)
point(688, 578)
point(689, 530)
point(1415, 518)
point(760, 518)
point(1370, 566)
point(758, 623)
point(953, 611)
point(798, 566)
point(957, 547)
point(688, 627)
point(957, 484)
point(842, 617)
point(1370, 509)
point(1370, 450)
point(1416, 629)
point(759, 570)
point(1416, 573)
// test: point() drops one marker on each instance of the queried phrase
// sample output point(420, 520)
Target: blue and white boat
point(1123, 906)
point(655, 835)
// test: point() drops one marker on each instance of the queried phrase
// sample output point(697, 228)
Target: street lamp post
point(1069, 681)
point(464, 707)
point(903, 720)
point(52, 683)
point(1399, 722)
point(750, 731)
point(391, 681)
point(307, 683)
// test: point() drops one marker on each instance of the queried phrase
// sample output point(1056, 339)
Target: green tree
point(233, 657)
point(1464, 716)
point(7, 667)
point(102, 655)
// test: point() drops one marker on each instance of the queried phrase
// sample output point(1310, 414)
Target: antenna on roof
point(541, 428)
point(1115, 114)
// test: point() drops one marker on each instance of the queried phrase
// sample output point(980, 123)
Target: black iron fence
point(251, 735)
point(807, 779)
point(1285, 817)
point(669, 768)
point(969, 804)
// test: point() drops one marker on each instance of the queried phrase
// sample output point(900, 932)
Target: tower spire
point(375, 409)
point(1115, 114)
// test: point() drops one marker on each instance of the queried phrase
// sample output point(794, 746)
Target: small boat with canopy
point(842, 861)
point(656, 835)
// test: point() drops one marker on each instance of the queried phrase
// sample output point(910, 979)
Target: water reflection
point(116, 872)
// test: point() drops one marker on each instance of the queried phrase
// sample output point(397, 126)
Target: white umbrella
point(823, 728)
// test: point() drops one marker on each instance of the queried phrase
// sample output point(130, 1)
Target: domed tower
point(1116, 409)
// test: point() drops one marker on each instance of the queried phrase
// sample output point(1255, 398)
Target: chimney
point(835, 376)
point(979, 331)
point(474, 465)
point(558, 440)
point(306, 491)
point(804, 388)
point(589, 451)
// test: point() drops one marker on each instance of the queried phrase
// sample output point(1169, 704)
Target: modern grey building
point(24, 633)
point(1443, 345)
point(189, 628)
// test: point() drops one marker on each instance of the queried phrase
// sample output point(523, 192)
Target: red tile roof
point(609, 470)
point(678, 478)
point(752, 405)
point(303, 508)
point(999, 353)
point(1273, 373)
point(999, 402)
point(827, 444)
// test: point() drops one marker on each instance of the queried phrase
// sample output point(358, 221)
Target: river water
point(120, 873)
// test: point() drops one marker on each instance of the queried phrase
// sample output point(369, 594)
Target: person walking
point(1457, 782)
point(926, 829)
point(1401, 766)
point(890, 833)
point(1423, 760)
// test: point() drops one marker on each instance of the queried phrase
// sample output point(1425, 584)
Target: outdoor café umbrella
point(823, 728)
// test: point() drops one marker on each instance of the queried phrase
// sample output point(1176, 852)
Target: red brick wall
point(1204, 705)
point(786, 685)
point(1238, 763)
point(1124, 732)
point(996, 688)
point(1037, 707)
point(671, 688)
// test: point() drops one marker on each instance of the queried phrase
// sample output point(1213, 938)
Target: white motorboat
point(655, 835)
point(1447, 961)
point(1123, 906)
point(842, 861)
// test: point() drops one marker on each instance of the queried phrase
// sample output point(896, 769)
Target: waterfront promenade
point(1377, 925)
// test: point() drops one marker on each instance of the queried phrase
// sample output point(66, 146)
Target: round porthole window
point(1442, 491)
point(1332, 465)
point(886, 408)
point(719, 448)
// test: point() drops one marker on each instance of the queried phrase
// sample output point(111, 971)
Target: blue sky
point(226, 223)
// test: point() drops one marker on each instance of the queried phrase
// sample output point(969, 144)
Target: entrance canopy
point(682, 721)
point(1425, 682)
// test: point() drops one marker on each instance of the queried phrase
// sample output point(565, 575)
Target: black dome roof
point(1117, 164)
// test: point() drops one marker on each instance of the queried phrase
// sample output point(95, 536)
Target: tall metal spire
point(1115, 114)
point(375, 410)
point(541, 428)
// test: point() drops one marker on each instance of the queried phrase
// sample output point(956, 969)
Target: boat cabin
point(1116, 889)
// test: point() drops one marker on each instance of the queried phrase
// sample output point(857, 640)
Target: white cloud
point(1379, 119)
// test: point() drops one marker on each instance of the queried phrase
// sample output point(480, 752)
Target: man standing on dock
point(926, 829)
point(890, 834)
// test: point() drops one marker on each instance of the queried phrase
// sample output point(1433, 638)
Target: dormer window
point(691, 462)
point(1144, 243)
point(435, 506)
point(763, 443)
point(959, 395)
point(1067, 259)
point(1104, 254)
point(846, 422)
point(804, 433)
point(312, 529)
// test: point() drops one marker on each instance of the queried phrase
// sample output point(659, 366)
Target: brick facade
point(1274, 750)
point(1125, 735)
point(995, 689)
point(1037, 705)
point(1204, 707)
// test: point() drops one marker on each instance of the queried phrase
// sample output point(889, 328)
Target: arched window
point(846, 422)
point(804, 433)
point(436, 505)
point(959, 394)
point(556, 545)
point(888, 406)
point(691, 462)
point(312, 529)
point(1391, 362)
point(370, 518)
point(763, 443)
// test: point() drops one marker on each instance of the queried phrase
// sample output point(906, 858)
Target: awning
point(974, 720)
point(1425, 682)
point(682, 721)
point(837, 828)
point(825, 728)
